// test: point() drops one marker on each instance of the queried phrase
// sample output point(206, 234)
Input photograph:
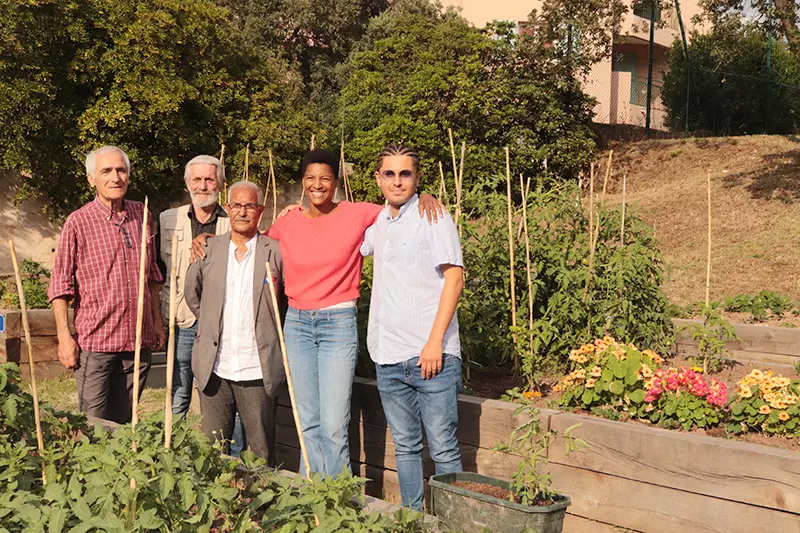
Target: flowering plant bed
point(766, 403)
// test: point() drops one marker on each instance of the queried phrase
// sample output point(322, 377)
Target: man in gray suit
point(236, 356)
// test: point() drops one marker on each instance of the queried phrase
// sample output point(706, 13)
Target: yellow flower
point(745, 392)
point(764, 410)
point(597, 372)
point(609, 339)
point(580, 373)
point(649, 407)
point(698, 369)
point(648, 384)
point(646, 372)
point(770, 396)
point(573, 355)
point(589, 348)
point(756, 375)
point(658, 359)
point(531, 394)
point(783, 416)
point(590, 383)
point(581, 359)
point(781, 382)
point(557, 387)
point(765, 387)
point(791, 399)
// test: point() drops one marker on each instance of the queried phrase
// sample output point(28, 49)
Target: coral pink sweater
point(322, 256)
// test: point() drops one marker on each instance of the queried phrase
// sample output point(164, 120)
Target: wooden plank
point(41, 322)
point(754, 338)
point(777, 361)
point(654, 509)
point(577, 524)
point(45, 349)
point(737, 471)
point(45, 370)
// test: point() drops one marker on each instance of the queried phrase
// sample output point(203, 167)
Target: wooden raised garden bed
point(636, 477)
point(770, 345)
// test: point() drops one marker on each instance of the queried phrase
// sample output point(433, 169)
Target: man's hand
point(430, 360)
point(288, 209)
point(432, 207)
point(199, 246)
point(161, 336)
point(68, 351)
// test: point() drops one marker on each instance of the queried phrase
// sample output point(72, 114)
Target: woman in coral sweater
point(322, 274)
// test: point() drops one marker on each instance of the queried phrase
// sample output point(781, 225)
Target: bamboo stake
point(511, 257)
point(708, 254)
point(31, 368)
point(274, 187)
point(624, 192)
point(605, 179)
point(295, 414)
point(459, 183)
point(246, 170)
point(137, 354)
point(525, 191)
point(591, 233)
point(443, 186)
point(222, 163)
point(313, 141)
point(173, 281)
point(528, 263)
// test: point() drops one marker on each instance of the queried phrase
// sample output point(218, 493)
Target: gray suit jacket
point(205, 295)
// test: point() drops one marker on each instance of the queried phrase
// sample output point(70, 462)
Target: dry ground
point(62, 393)
point(755, 184)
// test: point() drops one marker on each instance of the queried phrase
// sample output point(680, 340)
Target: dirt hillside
point(755, 187)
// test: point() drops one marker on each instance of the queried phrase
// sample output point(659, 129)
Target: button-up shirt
point(97, 264)
point(237, 356)
point(408, 281)
point(210, 225)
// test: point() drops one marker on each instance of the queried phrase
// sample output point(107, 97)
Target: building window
point(642, 9)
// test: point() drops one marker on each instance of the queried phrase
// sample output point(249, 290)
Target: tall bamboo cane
point(624, 192)
point(313, 141)
point(527, 262)
point(459, 183)
point(137, 354)
point(443, 186)
point(274, 187)
point(31, 368)
point(511, 258)
point(173, 280)
point(708, 251)
point(222, 163)
point(591, 234)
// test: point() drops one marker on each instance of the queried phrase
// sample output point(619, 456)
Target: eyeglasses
point(249, 207)
point(126, 237)
point(389, 175)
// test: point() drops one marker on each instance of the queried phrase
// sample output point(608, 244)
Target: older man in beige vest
point(204, 177)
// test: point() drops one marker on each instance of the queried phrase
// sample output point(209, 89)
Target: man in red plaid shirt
point(97, 266)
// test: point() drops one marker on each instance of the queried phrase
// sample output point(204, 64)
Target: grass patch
point(62, 393)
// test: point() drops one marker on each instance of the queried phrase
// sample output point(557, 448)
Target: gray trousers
point(105, 384)
point(219, 403)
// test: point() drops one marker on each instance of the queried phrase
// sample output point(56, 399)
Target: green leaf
point(165, 484)
point(637, 396)
point(616, 387)
point(58, 518)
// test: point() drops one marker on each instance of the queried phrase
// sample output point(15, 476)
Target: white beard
point(204, 200)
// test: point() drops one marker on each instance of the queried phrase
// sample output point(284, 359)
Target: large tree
point(423, 71)
point(164, 79)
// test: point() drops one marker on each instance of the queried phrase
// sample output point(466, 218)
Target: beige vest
point(176, 222)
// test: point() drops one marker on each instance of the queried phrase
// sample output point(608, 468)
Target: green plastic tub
point(463, 510)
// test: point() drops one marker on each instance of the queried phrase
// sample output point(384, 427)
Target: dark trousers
point(105, 384)
point(219, 403)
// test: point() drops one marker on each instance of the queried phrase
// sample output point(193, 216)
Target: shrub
point(605, 374)
point(681, 397)
point(766, 403)
point(34, 282)
point(711, 336)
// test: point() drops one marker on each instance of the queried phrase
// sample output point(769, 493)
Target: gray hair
point(91, 158)
point(249, 185)
point(205, 160)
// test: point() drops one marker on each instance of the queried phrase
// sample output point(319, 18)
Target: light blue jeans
point(182, 376)
point(322, 347)
point(410, 403)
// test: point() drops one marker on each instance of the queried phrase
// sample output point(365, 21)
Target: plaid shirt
point(97, 263)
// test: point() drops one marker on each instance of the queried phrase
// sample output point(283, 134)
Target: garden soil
point(755, 210)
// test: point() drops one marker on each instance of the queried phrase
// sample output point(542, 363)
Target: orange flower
point(783, 416)
point(531, 394)
point(608, 339)
point(580, 374)
point(764, 410)
point(646, 372)
point(573, 355)
point(581, 359)
point(597, 372)
point(590, 383)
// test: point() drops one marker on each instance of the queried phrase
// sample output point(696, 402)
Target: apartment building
point(619, 83)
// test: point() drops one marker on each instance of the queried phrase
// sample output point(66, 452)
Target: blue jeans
point(322, 347)
point(182, 376)
point(410, 403)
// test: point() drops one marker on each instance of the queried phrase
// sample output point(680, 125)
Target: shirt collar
point(107, 212)
point(219, 211)
point(249, 245)
point(410, 204)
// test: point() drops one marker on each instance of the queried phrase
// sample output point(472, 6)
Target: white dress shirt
point(407, 283)
point(237, 356)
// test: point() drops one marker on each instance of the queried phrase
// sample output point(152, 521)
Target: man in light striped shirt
point(413, 328)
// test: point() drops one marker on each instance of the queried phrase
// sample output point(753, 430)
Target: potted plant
point(468, 502)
